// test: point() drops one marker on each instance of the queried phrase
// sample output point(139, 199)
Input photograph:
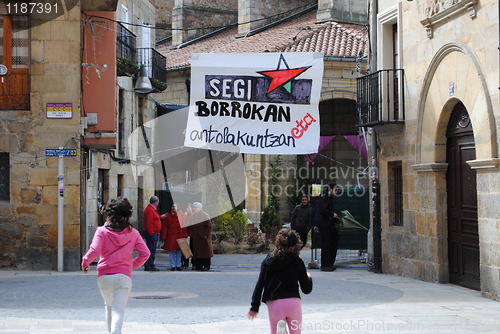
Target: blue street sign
point(56, 152)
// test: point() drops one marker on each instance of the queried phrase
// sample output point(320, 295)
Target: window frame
point(396, 193)
point(5, 163)
point(15, 84)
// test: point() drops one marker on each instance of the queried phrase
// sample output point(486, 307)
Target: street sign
point(59, 110)
point(57, 152)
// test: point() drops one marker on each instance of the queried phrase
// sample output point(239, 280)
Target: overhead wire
point(198, 28)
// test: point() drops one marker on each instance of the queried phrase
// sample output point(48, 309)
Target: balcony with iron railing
point(156, 67)
point(380, 99)
point(130, 59)
point(126, 52)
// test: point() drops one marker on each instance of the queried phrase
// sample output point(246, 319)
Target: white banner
point(260, 103)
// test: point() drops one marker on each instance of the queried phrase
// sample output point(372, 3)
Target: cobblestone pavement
point(349, 300)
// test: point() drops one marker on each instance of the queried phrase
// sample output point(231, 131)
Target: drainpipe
point(376, 214)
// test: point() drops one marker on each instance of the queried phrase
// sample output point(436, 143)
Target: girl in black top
point(278, 284)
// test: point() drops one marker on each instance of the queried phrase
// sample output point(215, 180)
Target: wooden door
point(14, 55)
point(463, 236)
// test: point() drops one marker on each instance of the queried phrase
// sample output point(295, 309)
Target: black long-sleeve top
point(325, 211)
point(279, 278)
point(302, 217)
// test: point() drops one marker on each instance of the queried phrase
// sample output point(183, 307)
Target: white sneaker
point(281, 327)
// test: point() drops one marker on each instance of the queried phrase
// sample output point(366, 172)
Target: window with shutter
point(15, 56)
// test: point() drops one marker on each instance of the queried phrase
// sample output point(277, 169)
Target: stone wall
point(28, 222)
point(163, 17)
point(252, 14)
point(442, 66)
point(346, 11)
point(191, 14)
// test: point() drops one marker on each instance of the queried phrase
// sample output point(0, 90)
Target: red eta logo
point(302, 126)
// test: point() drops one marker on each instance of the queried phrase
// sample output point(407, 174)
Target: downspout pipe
point(376, 210)
point(373, 39)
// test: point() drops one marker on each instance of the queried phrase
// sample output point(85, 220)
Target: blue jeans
point(151, 242)
point(175, 258)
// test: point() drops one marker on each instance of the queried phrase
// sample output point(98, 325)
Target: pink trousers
point(289, 309)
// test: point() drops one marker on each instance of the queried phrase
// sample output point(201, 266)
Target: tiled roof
point(334, 39)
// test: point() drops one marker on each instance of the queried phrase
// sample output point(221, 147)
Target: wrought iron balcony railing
point(130, 58)
point(14, 91)
point(126, 45)
point(156, 66)
point(380, 98)
point(155, 63)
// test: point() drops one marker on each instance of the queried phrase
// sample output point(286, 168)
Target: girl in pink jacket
point(114, 243)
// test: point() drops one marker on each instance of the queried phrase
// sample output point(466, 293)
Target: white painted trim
point(390, 16)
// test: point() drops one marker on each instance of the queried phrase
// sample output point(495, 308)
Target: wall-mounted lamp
point(143, 84)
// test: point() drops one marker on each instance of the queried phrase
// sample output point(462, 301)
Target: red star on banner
point(282, 77)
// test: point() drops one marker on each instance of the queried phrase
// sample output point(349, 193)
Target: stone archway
point(454, 65)
point(455, 75)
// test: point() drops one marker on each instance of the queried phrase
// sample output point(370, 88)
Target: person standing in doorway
point(200, 231)
point(152, 229)
point(281, 273)
point(170, 232)
point(328, 223)
point(302, 219)
point(114, 242)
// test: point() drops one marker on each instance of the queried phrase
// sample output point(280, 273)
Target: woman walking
point(170, 232)
point(278, 284)
point(114, 243)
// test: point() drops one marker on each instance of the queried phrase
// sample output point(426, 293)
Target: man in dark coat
point(201, 237)
point(302, 217)
point(328, 223)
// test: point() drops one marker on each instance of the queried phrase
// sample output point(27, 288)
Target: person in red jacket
point(170, 232)
point(151, 229)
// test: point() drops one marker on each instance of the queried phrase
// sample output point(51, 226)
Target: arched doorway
point(342, 155)
point(463, 236)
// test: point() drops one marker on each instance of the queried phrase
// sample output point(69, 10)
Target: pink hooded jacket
point(115, 251)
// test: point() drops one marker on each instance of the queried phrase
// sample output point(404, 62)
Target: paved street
point(349, 300)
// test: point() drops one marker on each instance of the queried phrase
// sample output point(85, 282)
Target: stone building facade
point(163, 18)
point(62, 87)
point(113, 110)
point(438, 161)
point(294, 27)
point(43, 69)
point(188, 14)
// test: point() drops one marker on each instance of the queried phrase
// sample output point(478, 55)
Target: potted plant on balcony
point(126, 67)
point(158, 85)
